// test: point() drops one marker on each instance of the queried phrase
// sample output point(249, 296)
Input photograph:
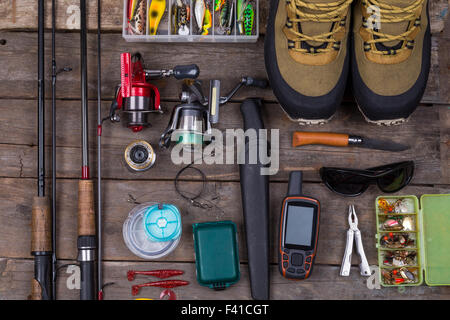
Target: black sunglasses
point(351, 182)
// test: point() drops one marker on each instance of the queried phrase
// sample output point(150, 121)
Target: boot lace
point(331, 12)
point(394, 14)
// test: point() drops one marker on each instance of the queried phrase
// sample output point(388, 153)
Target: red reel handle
point(157, 96)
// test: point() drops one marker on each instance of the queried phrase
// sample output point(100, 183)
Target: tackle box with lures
point(413, 240)
point(191, 20)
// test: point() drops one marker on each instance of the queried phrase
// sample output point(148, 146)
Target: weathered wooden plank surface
point(19, 77)
point(324, 283)
point(223, 196)
point(112, 15)
point(445, 141)
point(18, 138)
point(427, 132)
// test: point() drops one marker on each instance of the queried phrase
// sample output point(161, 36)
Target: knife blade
point(345, 140)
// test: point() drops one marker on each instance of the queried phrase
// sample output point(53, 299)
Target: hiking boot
point(306, 54)
point(390, 58)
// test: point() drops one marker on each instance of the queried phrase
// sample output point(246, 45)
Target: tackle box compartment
point(431, 236)
point(164, 33)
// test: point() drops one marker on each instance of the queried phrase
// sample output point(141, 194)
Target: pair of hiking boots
point(309, 52)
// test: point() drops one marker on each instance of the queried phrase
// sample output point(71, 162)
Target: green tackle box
point(216, 254)
point(431, 235)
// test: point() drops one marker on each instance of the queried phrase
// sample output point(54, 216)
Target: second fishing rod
point(87, 242)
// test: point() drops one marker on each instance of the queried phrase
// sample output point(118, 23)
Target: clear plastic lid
point(137, 240)
point(436, 224)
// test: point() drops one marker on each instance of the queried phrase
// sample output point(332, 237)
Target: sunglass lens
point(395, 180)
point(345, 183)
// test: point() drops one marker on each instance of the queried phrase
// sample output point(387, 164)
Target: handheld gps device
point(299, 231)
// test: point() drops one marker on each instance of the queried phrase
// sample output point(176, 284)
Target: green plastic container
point(216, 254)
point(432, 238)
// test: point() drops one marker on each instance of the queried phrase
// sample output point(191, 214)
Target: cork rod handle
point(86, 212)
point(41, 248)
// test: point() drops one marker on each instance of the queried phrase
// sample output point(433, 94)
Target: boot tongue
point(396, 28)
point(312, 28)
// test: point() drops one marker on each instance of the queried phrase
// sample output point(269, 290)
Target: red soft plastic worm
point(167, 284)
point(161, 274)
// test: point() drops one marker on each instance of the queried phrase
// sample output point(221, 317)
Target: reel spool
point(139, 156)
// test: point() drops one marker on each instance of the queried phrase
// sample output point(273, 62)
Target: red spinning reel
point(136, 96)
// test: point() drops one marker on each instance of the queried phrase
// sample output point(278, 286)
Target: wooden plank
point(112, 15)
point(445, 141)
point(324, 283)
point(18, 139)
point(19, 77)
point(444, 63)
point(438, 15)
point(223, 197)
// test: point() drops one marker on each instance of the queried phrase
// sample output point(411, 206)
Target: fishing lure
point(200, 10)
point(226, 18)
point(249, 17)
point(156, 12)
point(174, 18)
point(167, 284)
point(241, 7)
point(180, 18)
point(136, 16)
point(161, 274)
point(207, 22)
point(183, 20)
point(385, 206)
point(131, 7)
point(218, 4)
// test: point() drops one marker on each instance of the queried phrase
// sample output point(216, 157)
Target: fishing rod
point(41, 218)
point(54, 73)
point(99, 156)
point(86, 214)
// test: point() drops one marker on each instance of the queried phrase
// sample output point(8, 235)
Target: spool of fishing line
point(137, 237)
point(139, 156)
point(162, 222)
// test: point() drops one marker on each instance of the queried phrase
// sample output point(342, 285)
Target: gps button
point(297, 259)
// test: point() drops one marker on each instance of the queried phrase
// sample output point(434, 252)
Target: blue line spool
point(162, 222)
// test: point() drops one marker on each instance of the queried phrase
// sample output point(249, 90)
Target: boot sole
point(308, 122)
point(387, 123)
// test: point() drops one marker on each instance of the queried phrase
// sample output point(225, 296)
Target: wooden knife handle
point(324, 138)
